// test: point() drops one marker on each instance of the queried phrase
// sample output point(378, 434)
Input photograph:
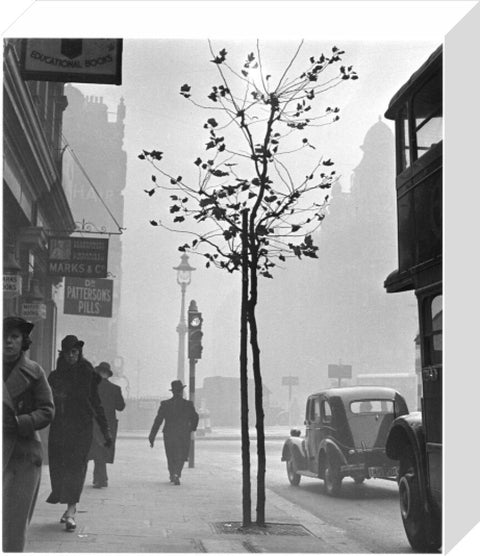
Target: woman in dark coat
point(27, 408)
point(74, 386)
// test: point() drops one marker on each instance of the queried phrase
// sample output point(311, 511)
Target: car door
point(314, 427)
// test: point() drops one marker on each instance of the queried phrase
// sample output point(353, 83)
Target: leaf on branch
point(328, 162)
point(198, 161)
point(150, 192)
point(221, 57)
point(153, 222)
point(212, 122)
point(174, 208)
point(179, 218)
point(219, 173)
point(185, 91)
point(174, 197)
point(141, 156)
point(295, 227)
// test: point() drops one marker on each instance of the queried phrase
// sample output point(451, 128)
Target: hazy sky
point(168, 47)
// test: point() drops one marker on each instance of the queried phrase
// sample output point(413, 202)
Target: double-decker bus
point(415, 440)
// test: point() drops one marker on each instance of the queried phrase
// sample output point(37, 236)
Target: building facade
point(35, 205)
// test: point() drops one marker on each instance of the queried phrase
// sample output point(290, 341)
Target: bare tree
point(250, 177)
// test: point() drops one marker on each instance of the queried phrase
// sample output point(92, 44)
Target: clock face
point(195, 321)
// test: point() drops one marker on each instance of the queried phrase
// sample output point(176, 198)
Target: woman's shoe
point(63, 518)
point(70, 524)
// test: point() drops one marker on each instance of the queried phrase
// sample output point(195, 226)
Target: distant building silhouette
point(96, 138)
point(334, 309)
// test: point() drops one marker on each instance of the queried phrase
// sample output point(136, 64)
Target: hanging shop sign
point(34, 311)
point(77, 257)
point(90, 298)
point(77, 60)
point(12, 285)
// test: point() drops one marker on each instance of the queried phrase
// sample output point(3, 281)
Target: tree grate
point(287, 529)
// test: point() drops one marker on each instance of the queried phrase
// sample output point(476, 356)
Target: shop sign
point(73, 60)
point(34, 311)
point(77, 257)
point(90, 298)
point(12, 285)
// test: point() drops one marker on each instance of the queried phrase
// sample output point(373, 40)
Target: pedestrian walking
point(75, 391)
point(27, 408)
point(180, 420)
point(112, 401)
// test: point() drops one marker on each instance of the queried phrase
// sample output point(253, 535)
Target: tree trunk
point(246, 485)
point(258, 391)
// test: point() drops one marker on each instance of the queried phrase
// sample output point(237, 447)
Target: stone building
point(35, 204)
point(95, 167)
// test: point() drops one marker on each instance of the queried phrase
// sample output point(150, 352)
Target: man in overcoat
point(112, 401)
point(180, 420)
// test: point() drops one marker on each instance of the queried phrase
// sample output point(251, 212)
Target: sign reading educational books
point(91, 298)
point(77, 257)
point(78, 60)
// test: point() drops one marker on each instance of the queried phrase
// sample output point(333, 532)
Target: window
point(372, 406)
point(427, 111)
point(403, 141)
point(433, 330)
point(326, 412)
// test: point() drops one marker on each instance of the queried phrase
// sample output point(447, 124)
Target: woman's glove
point(108, 440)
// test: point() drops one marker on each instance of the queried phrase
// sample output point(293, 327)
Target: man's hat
point(9, 323)
point(70, 342)
point(104, 367)
point(177, 386)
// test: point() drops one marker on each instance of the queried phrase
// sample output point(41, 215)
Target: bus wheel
point(423, 531)
point(333, 478)
point(292, 474)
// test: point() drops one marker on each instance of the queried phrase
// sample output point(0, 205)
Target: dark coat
point(180, 420)
point(27, 408)
point(112, 401)
point(75, 393)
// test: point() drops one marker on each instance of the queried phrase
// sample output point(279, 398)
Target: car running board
point(307, 473)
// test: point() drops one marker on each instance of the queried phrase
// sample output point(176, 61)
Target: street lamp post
point(184, 277)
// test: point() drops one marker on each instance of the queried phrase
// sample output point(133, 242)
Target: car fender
point(329, 446)
point(295, 446)
point(407, 430)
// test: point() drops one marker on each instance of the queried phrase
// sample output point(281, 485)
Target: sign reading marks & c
point(77, 257)
point(90, 298)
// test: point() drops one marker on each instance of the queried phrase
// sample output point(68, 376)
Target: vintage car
point(345, 434)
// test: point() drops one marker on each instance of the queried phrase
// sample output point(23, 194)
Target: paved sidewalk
point(142, 512)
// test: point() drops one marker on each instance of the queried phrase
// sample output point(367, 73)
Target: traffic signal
point(195, 334)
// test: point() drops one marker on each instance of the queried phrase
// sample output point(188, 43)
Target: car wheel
point(292, 474)
point(333, 478)
point(422, 529)
point(359, 480)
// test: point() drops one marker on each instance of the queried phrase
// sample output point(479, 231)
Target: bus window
point(427, 112)
point(403, 142)
point(433, 330)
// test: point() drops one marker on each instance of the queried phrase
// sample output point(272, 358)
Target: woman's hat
point(177, 386)
point(104, 367)
point(70, 342)
point(9, 323)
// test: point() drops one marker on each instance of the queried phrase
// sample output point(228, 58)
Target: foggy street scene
point(222, 309)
